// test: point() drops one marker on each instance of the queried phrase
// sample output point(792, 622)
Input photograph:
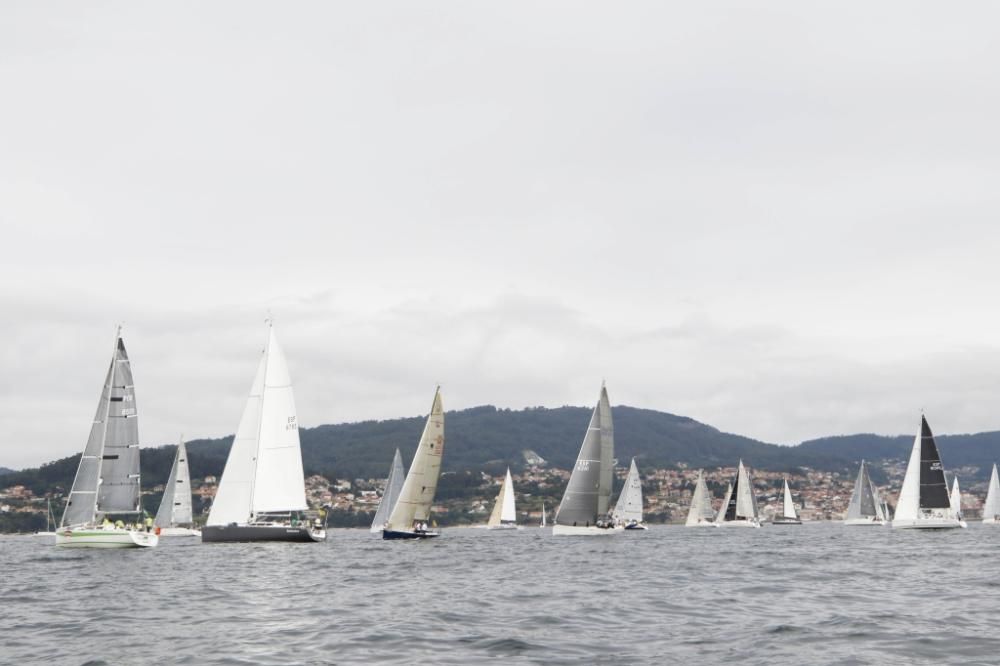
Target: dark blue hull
point(391, 535)
point(245, 533)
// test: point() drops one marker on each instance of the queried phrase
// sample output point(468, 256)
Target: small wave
point(508, 647)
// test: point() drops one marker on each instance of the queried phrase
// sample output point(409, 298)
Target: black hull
point(246, 533)
point(393, 535)
point(786, 521)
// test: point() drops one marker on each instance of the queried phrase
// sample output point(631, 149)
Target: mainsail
point(864, 499)
point(175, 507)
point(701, 504)
point(393, 485)
point(788, 507)
point(924, 485)
point(263, 472)
point(629, 506)
point(504, 512)
point(588, 490)
point(991, 508)
point(107, 479)
point(417, 493)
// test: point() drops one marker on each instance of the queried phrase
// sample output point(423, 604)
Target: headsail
point(788, 507)
point(629, 505)
point(263, 472)
point(107, 479)
point(589, 488)
point(417, 493)
point(728, 505)
point(991, 508)
point(393, 485)
point(864, 501)
point(956, 499)
point(175, 507)
point(701, 504)
point(503, 509)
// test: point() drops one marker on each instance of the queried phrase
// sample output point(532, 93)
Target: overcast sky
point(781, 220)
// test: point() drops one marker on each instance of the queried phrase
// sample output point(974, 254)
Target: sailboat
point(584, 506)
point(740, 506)
point(628, 509)
point(956, 502)
point(866, 508)
point(701, 513)
point(923, 500)
point(504, 516)
point(391, 493)
point(543, 515)
point(107, 480)
point(48, 535)
point(991, 507)
point(174, 517)
point(788, 514)
point(261, 495)
point(408, 519)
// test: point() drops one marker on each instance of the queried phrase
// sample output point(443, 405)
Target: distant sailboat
point(107, 480)
point(788, 514)
point(866, 508)
point(701, 513)
point(543, 515)
point(175, 517)
point(393, 485)
point(504, 516)
point(48, 536)
point(956, 502)
point(991, 507)
point(584, 506)
point(628, 509)
point(262, 495)
point(740, 506)
point(923, 500)
point(410, 516)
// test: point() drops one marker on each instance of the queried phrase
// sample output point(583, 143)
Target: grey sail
point(863, 504)
point(933, 487)
point(107, 480)
point(607, 454)
point(393, 485)
point(175, 507)
point(585, 494)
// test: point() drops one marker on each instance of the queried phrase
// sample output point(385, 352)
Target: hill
point(487, 438)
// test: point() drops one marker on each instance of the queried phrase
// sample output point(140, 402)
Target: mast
point(260, 418)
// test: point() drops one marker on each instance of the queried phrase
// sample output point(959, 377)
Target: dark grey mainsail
point(863, 498)
point(933, 487)
point(607, 454)
point(586, 493)
point(107, 480)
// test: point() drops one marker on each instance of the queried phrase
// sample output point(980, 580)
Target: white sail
point(746, 501)
point(908, 504)
point(726, 500)
point(991, 508)
point(543, 515)
point(504, 512)
point(417, 494)
point(175, 507)
point(788, 507)
point(628, 509)
point(263, 472)
point(393, 485)
point(956, 499)
point(701, 504)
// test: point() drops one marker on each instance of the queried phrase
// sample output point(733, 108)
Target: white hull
point(929, 524)
point(97, 537)
point(865, 522)
point(740, 523)
point(179, 532)
point(593, 530)
point(702, 523)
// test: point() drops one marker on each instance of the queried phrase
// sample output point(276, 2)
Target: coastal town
point(466, 498)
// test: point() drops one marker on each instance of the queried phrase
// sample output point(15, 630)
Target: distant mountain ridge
point(488, 438)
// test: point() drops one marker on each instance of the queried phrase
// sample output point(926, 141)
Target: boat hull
point(105, 538)
point(637, 527)
point(928, 524)
point(591, 530)
point(401, 535)
point(179, 532)
point(786, 521)
point(865, 522)
point(740, 523)
point(248, 533)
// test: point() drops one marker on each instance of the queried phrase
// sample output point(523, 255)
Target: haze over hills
point(487, 438)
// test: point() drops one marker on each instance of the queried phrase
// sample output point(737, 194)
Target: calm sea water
point(816, 594)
